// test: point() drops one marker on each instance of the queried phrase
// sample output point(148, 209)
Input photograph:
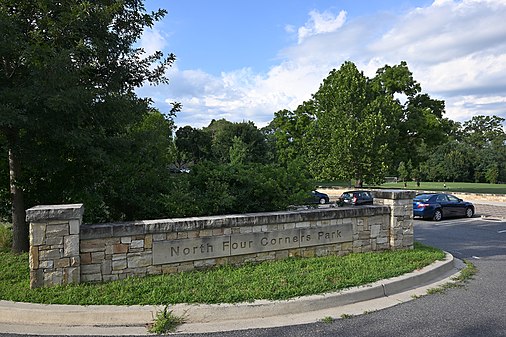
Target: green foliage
point(276, 280)
point(352, 127)
point(67, 98)
point(476, 152)
point(5, 237)
point(165, 322)
point(492, 173)
point(212, 188)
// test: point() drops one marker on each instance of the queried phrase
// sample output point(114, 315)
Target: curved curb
point(263, 308)
point(13, 313)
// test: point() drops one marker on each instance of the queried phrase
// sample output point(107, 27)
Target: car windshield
point(423, 197)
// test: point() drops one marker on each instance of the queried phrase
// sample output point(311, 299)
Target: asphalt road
point(477, 309)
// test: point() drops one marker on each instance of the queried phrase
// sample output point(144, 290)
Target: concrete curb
point(92, 317)
point(261, 309)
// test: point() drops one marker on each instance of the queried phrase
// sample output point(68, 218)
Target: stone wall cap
point(394, 194)
point(55, 212)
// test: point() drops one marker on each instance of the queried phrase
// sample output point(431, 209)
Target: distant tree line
point(72, 128)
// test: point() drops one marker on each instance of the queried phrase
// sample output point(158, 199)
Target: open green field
point(450, 187)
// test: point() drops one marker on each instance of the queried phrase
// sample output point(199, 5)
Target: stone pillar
point(401, 216)
point(54, 244)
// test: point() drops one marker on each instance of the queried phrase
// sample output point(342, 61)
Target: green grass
point(269, 280)
point(453, 187)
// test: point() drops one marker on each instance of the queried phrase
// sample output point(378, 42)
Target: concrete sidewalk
point(27, 318)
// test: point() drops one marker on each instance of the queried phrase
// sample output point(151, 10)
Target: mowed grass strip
point(451, 187)
point(275, 280)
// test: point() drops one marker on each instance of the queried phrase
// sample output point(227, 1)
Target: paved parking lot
point(490, 210)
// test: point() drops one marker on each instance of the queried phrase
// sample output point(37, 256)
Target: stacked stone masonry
point(65, 251)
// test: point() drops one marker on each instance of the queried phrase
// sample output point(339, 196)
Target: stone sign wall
point(65, 251)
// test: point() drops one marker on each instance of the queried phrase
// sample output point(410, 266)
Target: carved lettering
point(173, 251)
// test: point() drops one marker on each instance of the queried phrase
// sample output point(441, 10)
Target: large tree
point(68, 70)
point(359, 128)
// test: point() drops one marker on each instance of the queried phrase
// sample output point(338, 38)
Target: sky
point(243, 60)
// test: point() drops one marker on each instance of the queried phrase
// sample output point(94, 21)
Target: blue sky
point(244, 60)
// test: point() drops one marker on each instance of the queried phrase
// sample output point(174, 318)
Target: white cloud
point(152, 40)
point(319, 23)
point(455, 49)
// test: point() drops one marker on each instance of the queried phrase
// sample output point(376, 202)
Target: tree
point(417, 123)
point(348, 138)
point(69, 70)
point(403, 171)
point(194, 143)
point(288, 130)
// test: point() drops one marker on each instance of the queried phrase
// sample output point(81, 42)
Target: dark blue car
point(435, 206)
point(319, 197)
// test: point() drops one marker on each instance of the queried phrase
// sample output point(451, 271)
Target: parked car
point(435, 206)
point(319, 197)
point(356, 198)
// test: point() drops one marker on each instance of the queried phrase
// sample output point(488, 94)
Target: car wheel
point(323, 201)
point(469, 212)
point(438, 215)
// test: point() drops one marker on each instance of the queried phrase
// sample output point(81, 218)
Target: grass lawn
point(450, 187)
point(274, 280)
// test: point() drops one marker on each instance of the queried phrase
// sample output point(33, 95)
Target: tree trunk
point(19, 227)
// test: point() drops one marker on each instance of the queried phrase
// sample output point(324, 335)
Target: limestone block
point(50, 254)
point(304, 224)
point(34, 258)
point(139, 260)
point(85, 258)
point(62, 263)
point(71, 245)
point(126, 239)
point(97, 257)
point(74, 226)
point(120, 249)
point(148, 241)
point(154, 270)
point(159, 237)
point(93, 245)
point(37, 234)
point(137, 244)
point(53, 278)
point(109, 278)
point(91, 277)
point(119, 264)
point(91, 269)
point(106, 267)
point(375, 231)
point(48, 264)
point(75, 261)
point(204, 263)
point(54, 241)
point(36, 278)
point(246, 229)
point(59, 230)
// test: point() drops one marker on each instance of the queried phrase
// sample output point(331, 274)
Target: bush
point(212, 188)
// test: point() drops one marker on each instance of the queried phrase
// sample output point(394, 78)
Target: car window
point(453, 198)
point(441, 198)
point(365, 195)
point(422, 197)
